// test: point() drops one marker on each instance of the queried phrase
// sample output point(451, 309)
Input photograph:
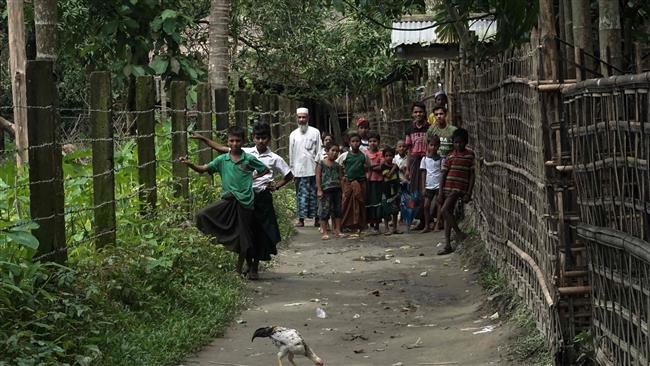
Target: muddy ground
point(388, 300)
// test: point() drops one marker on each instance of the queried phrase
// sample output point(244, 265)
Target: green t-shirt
point(355, 166)
point(237, 177)
point(446, 143)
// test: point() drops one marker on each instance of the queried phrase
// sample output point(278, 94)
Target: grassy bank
point(149, 301)
point(528, 347)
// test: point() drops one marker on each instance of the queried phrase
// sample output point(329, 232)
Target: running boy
point(355, 165)
point(390, 171)
point(328, 184)
point(229, 220)
point(267, 238)
point(431, 167)
point(457, 183)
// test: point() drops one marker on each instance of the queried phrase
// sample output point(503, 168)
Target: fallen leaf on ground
point(294, 304)
point(417, 344)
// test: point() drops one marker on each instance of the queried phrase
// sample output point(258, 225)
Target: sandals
point(325, 237)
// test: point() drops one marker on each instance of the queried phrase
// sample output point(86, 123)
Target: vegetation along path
point(387, 300)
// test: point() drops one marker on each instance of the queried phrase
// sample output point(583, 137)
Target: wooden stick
point(225, 363)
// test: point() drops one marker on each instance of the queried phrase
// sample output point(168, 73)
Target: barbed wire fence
point(134, 156)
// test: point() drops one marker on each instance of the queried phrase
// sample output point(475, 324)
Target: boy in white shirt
point(431, 165)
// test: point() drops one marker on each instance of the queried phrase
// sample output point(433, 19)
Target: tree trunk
point(45, 24)
point(548, 35)
point(567, 35)
point(582, 33)
point(609, 36)
point(219, 56)
point(16, 22)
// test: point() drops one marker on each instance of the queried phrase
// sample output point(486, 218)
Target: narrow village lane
point(388, 299)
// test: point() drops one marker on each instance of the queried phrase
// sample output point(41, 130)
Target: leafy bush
point(161, 292)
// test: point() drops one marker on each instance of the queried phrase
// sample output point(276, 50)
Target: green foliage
point(312, 49)
point(162, 291)
point(128, 32)
point(513, 20)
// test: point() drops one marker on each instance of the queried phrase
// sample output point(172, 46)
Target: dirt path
point(440, 308)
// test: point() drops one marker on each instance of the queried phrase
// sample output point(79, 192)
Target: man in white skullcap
point(304, 148)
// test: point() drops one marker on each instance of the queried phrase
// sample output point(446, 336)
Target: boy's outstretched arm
point(197, 168)
point(282, 182)
point(261, 173)
point(213, 144)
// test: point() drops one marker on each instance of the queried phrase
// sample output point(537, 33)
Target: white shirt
point(401, 164)
point(434, 172)
point(273, 161)
point(304, 152)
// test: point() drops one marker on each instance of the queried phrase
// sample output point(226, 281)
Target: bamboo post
point(285, 121)
point(256, 105)
point(101, 121)
point(221, 109)
point(274, 120)
point(638, 60)
point(46, 195)
point(179, 139)
point(144, 105)
point(265, 108)
point(241, 108)
point(204, 122)
point(16, 32)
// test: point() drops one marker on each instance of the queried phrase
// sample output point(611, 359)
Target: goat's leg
point(290, 357)
point(283, 352)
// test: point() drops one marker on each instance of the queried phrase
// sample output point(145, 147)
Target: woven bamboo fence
point(609, 128)
point(520, 196)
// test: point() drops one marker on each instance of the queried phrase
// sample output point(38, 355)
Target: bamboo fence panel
point(502, 111)
point(610, 139)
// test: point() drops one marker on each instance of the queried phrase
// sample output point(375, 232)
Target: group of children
point(364, 185)
point(358, 186)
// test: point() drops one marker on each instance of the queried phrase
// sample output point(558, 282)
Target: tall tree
point(45, 24)
point(219, 48)
point(609, 35)
point(17, 68)
point(582, 32)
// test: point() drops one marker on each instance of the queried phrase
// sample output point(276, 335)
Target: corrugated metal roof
point(403, 37)
point(484, 29)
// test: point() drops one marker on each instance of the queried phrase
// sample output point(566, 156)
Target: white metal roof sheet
point(404, 37)
point(484, 29)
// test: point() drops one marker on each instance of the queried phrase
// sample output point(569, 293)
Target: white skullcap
point(302, 110)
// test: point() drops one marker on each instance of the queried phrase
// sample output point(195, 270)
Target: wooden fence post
point(204, 123)
point(144, 105)
point(101, 122)
point(221, 109)
point(241, 109)
point(179, 139)
point(46, 195)
point(274, 121)
point(265, 111)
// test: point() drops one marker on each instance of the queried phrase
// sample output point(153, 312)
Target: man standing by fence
point(304, 149)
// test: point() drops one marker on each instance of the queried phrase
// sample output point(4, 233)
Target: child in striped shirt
point(457, 183)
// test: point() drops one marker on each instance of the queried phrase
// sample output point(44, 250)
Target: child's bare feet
point(426, 230)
